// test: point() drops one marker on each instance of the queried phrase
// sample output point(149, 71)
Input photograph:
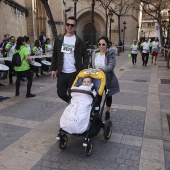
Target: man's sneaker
point(107, 115)
point(30, 95)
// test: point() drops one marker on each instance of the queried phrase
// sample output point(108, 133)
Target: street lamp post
point(110, 14)
point(143, 34)
point(168, 39)
point(137, 29)
point(124, 27)
point(92, 21)
point(75, 8)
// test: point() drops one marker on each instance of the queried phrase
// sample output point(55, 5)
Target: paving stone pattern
point(164, 88)
point(128, 122)
point(37, 110)
point(134, 86)
point(10, 133)
point(49, 93)
point(167, 160)
point(164, 101)
point(131, 99)
point(105, 156)
point(134, 78)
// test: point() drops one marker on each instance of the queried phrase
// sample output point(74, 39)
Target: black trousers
point(9, 64)
point(134, 56)
point(145, 57)
point(28, 75)
point(99, 99)
point(64, 83)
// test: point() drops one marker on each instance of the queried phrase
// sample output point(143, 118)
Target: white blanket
point(75, 118)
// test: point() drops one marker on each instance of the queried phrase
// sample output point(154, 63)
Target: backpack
point(16, 59)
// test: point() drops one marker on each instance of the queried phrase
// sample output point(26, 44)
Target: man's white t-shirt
point(68, 50)
point(145, 47)
point(49, 48)
point(12, 50)
point(155, 45)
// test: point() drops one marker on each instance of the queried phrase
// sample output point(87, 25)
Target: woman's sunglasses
point(70, 25)
point(99, 44)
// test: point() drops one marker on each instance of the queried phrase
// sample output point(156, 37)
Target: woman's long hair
point(37, 43)
point(106, 40)
point(26, 39)
point(20, 41)
point(46, 42)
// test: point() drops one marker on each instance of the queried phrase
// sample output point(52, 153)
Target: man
point(2, 48)
point(42, 38)
point(155, 49)
point(10, 49)
point(71, 58)
point(145, 51)
point(3, 44)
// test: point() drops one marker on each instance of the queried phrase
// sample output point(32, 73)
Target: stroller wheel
point(62, 143)
point(108, 130)
point(89, 148)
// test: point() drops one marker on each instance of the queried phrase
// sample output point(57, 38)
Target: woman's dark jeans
point(28, 75)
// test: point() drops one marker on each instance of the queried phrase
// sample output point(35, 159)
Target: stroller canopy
point(98, 79)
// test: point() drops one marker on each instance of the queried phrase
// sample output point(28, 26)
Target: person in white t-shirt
point(48, 49)
point(70, 58)
point(134, 51)
point(145, 52)
point(155, 48)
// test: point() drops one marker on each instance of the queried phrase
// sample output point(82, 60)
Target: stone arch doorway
point(88, 34)
point(84, 26)
point(41, 17)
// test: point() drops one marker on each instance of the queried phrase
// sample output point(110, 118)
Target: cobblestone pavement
point(140, 138)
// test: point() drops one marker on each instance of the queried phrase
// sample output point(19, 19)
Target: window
point(151, 24)
point(164, 13)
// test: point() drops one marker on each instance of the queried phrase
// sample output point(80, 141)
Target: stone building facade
point(28, 17)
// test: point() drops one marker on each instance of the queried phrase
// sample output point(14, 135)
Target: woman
point(155, 49)
point(24, 68)
point(37, 50)
point(104, 59)
point(134, 51)
point(48, 48)
point(27, 43)
point(10, 49)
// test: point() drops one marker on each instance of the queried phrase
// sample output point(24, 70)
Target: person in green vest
point(9, 49)
point(48, 49)
point(134, 52)
point(37, 50)
point(24, 68)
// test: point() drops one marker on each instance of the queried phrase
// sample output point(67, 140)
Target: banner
point(157, 28)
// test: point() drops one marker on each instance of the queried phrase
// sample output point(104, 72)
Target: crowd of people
point(146, 48)
point(10, 45)
point(71, 57)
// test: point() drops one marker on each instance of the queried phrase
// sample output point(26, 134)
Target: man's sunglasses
point(99, 44)
point(70, 25)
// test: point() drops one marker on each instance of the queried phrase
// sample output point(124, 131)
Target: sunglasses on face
point(99, 44)
point(70, 25)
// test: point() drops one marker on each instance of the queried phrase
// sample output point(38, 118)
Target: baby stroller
point(95, 123)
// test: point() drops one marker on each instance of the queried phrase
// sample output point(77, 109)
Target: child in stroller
point(75, 117)
point(79, 117)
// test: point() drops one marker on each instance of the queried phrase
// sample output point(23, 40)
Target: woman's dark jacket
point(111, 79)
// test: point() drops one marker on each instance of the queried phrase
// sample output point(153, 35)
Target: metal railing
point(166, 54)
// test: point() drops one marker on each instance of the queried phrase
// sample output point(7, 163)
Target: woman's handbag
point(150, 55)
point(129, 56)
